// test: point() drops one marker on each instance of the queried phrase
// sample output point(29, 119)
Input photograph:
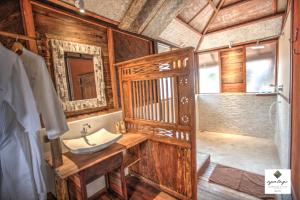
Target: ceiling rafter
point(235, 4)
point(212, 4)
point(188, 26)
point(212, 18)
point(275, 6)
point(198, 13)
point(247, 22)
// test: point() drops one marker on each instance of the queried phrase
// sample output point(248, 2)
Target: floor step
point(203, 161)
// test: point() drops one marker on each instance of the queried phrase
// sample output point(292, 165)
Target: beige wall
point(283, 135)
point(284, 59)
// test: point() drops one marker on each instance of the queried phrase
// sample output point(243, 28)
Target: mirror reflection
point(80, 76)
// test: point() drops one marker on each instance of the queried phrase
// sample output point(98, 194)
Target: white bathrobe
point(45, 95)
point(48, 106)
point(19, 125)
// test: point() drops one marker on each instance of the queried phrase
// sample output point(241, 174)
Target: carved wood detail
point(158, 99)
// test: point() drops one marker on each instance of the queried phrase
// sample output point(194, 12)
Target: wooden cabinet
point(79, 170)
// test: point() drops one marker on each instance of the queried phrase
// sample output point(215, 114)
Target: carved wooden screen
point(158, 99)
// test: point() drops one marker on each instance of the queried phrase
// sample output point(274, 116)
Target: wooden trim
point(111, 62)
point(235, 4)
point(277, 63)
point(28, 24)
point(56, 152)
point(198, 13)
point(187, 26)
point(275, 6)
point(220, 72)
point(244, 69)
point(237, 45)
point(15, 36)
point(268, 17)
point(87, 13)
point(152, 56)
point(131, 34)
point(295, 102)
point(212, 5)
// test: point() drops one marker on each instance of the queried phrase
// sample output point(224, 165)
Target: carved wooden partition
point(158, 99)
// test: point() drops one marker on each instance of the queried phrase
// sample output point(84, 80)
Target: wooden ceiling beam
point(139, 14)
point(275, 6)
point(238, 3)
point(188, 26)
point(198, 13)
point(212, 4)
point(264, 18)
point(164, 16)
point(241, 44)
point(212, 18)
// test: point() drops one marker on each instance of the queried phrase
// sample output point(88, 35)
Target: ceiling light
point(80, 5)
point(258, 46)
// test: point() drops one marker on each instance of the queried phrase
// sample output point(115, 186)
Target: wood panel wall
point(59, 24)
point(49, 24)
point(10, 20)
point(233, 70)
point(128, 47)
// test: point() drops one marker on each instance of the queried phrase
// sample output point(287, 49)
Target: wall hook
point(296, 36)
point(295, 52)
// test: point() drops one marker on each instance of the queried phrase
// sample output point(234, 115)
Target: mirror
point(81, 76)
point(78, 72)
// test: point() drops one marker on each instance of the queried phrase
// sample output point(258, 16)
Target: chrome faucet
point(85, 128)
point(84, 133)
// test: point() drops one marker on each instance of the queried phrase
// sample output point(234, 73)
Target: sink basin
point(91, 143)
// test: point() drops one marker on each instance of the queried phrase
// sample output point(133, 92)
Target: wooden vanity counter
point(74, 163)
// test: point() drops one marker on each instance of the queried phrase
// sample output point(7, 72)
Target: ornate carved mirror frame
point(59, 47)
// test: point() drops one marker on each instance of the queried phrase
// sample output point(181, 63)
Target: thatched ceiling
point(203, 24)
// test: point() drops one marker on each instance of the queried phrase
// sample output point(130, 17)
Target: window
point(260, 68)
point(209, 73)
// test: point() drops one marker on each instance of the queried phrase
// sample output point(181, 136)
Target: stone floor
point(243, 152)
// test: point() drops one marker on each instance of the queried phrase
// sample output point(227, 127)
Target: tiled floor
point(243, 152)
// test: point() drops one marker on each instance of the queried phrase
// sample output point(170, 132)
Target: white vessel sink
point(91, 143)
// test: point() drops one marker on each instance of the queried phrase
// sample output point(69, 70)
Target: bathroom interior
point(164, 99)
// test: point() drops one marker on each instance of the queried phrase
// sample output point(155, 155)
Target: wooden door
point(295, 154)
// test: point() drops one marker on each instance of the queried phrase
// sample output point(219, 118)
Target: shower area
point(243, 109)
point(238, 130)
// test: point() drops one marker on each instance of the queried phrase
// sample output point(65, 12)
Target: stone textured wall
point(245, 114)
